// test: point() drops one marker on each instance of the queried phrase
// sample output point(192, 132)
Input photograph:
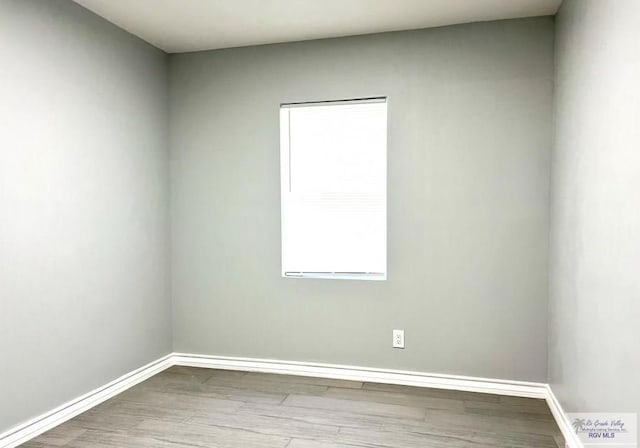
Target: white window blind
point(334, 189)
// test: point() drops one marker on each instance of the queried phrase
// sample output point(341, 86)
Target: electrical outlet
point(398, 338)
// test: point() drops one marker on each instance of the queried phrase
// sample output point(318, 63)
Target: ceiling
point(190, 25)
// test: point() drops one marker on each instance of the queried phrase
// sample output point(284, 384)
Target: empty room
point(319, 223)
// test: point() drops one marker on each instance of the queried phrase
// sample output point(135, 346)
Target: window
point(334, 189)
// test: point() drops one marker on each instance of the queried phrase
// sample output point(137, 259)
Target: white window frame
point(285, 157)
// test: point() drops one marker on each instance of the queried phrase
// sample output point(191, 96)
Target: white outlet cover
point(398, 338)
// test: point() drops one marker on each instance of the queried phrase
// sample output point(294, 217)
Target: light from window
point(334, 189)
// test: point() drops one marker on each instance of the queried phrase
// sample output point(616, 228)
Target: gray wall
point(594, 329)
point(469, 159)
point(84, 290)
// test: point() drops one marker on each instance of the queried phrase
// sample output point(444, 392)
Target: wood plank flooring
point(186, 407)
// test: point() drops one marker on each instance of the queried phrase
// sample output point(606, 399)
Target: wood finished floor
point(186, 407)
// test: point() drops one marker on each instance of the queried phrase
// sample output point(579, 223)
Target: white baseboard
point(365, 374)
point(570, 437)
point(32, 428)
point(36, 426)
